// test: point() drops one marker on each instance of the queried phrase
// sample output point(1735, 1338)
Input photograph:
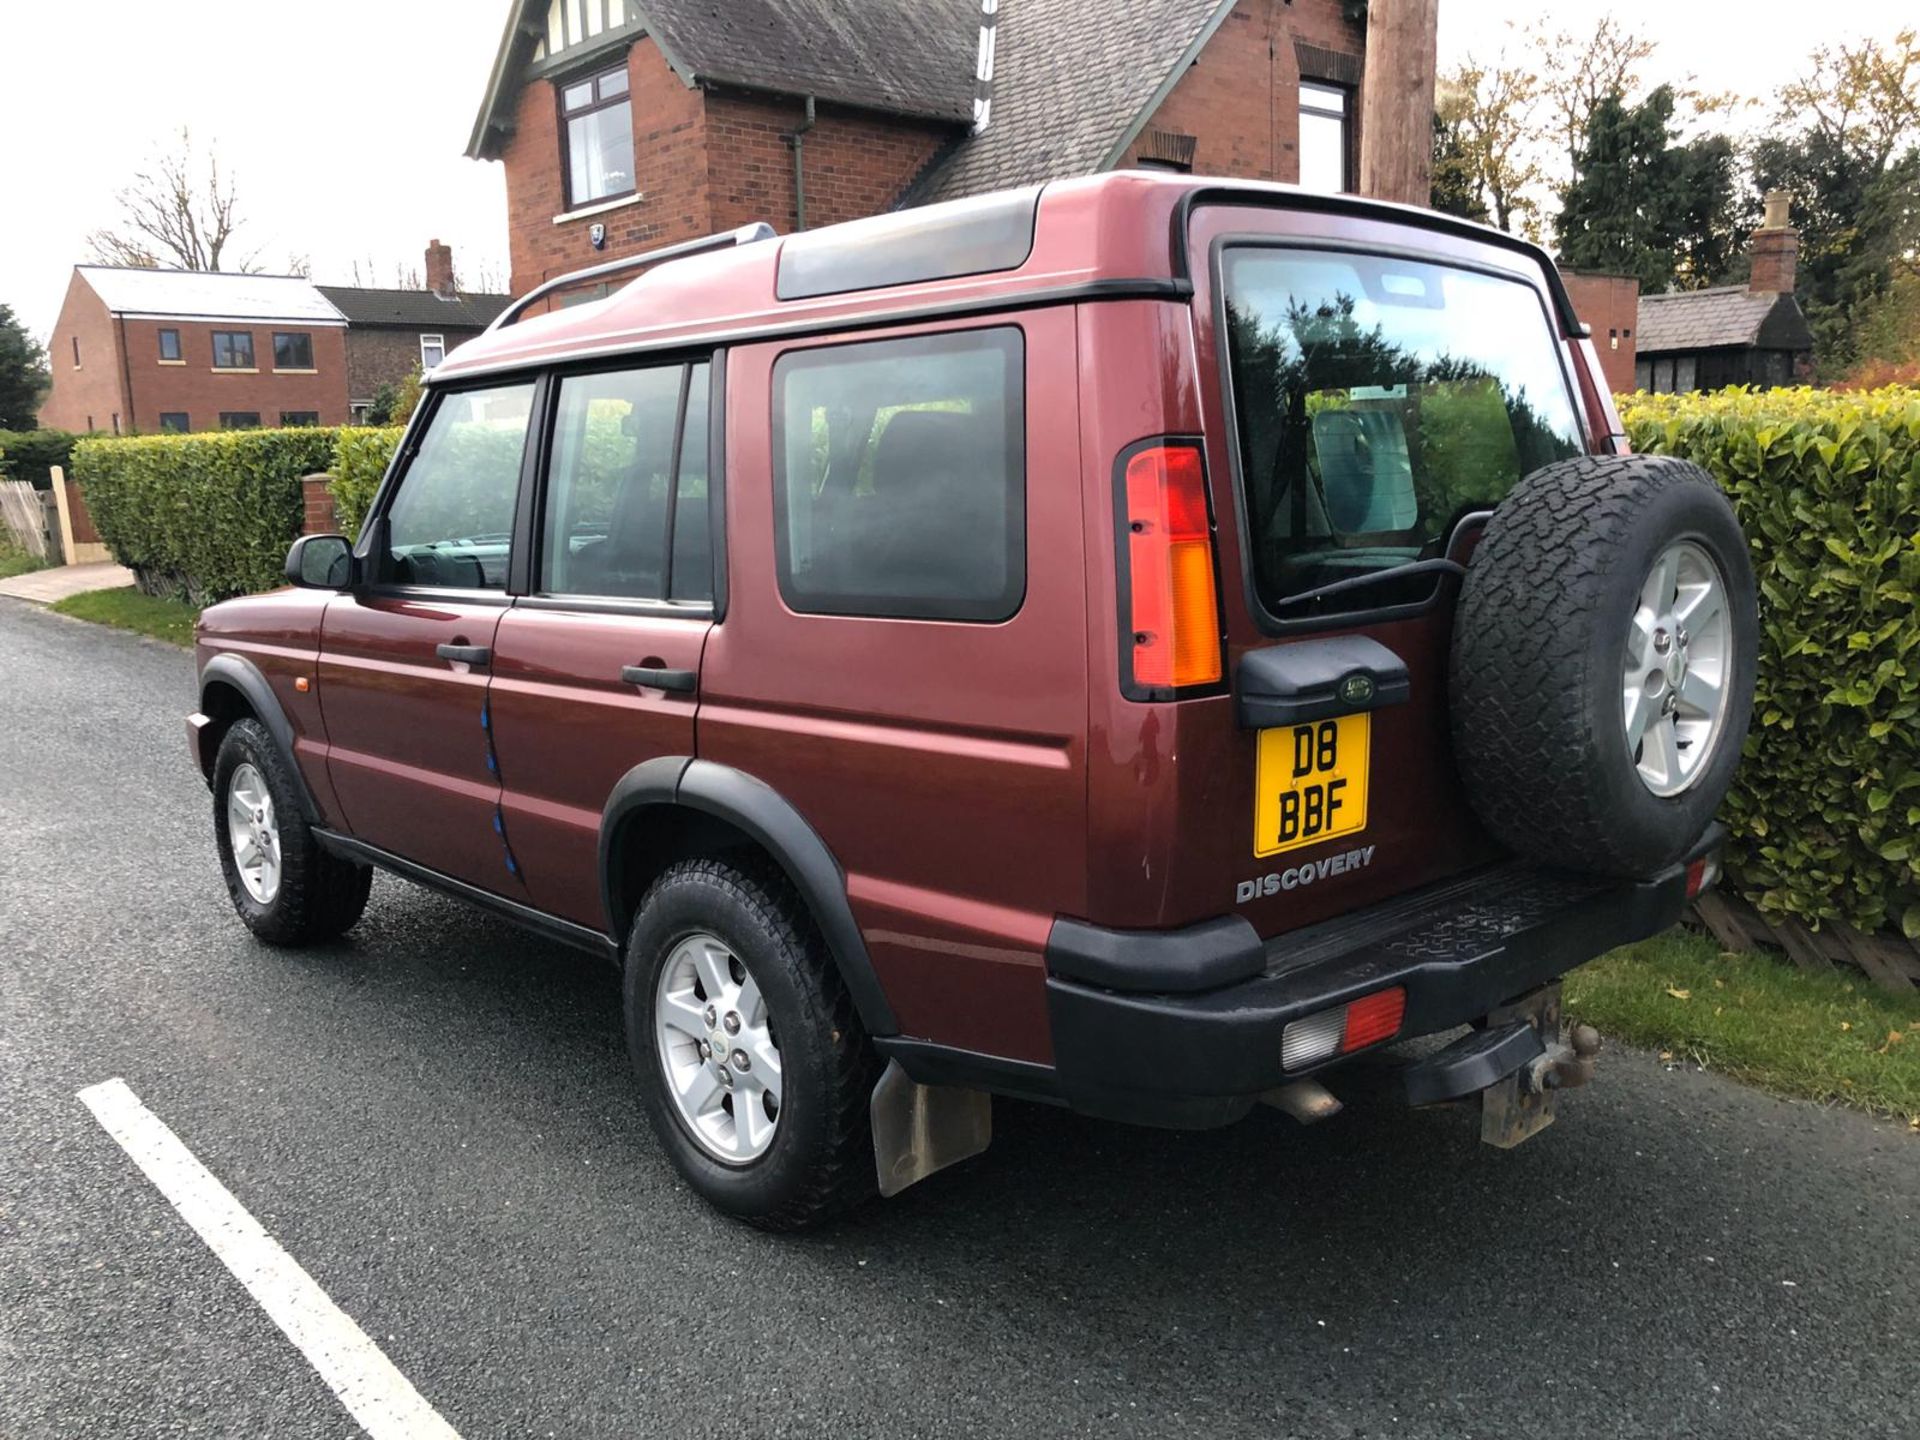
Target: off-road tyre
point(819, 1164)
point(1538, 651)
point(320, 895)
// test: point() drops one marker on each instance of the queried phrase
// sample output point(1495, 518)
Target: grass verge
point(129, 609)
point(1812, 1035)
point(15, 561)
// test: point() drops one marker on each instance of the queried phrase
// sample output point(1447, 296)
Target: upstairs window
point(238, 419)
point(292, 351)
point(597, 120)
point(433, 349)
point(170, 346)
point(1326, 137)
point(233, 350)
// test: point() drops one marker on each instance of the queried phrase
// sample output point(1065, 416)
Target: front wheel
point(284, 886)
point(754, 1068)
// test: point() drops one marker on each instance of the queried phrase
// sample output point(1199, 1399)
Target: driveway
point(435, 1119)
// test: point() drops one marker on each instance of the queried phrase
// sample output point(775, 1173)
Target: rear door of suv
point(597, 668)
point(1364, 394)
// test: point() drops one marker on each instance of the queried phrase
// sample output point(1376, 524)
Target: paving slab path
point(43, 587)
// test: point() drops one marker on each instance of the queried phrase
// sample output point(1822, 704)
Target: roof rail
point(726, 239)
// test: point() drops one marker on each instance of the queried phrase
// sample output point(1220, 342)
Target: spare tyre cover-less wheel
point(1603, 662)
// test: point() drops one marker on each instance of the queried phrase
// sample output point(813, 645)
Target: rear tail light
point(1173, 596)
point(1343, 1029)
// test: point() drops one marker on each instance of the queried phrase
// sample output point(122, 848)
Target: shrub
point(360, 460)
point(30, 454)
point(205, 516)
point(1826, 807)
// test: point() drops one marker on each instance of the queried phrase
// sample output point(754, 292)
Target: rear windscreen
point(1377, 402)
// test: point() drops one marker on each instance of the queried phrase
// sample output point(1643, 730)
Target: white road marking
point(366, 1382)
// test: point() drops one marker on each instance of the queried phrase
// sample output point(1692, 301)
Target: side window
point(610, 486)
point(452, 517)
point(900, 484)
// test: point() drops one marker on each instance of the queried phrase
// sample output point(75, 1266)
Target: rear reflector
point(1175, 610)
point(1344, 1029)
point(1703, 874)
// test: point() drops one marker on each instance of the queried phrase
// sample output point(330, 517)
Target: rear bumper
point(1461, 949)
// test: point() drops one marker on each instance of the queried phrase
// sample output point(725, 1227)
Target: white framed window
point(1326, 137)
point(433, 349)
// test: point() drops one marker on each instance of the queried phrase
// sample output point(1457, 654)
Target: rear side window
point(451, 521)
point(611, 486)
point(1378, 401)
point(901, 477)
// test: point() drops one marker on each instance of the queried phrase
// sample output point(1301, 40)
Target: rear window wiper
point(1373, 577)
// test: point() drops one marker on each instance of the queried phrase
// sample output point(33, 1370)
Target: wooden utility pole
point(1396, 101)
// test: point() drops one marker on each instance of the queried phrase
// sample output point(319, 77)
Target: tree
point(1454, 191)
point(180, 212)
point(1588, 70)
point(23, 373)
point(1642, 205)
point(1488, 113)
point(1850, 159)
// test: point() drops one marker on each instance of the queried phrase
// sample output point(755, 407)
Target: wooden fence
point(1890, 961)
point(24, 517)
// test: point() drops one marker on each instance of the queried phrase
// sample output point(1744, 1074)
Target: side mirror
point(320, 562)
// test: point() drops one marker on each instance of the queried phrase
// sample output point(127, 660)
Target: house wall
point(92, 395)
point(195, 388)
point(1240, 99)
point(1611, 305)
point(856, 163)
point(386, 354)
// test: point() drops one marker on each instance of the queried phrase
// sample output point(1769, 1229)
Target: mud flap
point(919, 1129)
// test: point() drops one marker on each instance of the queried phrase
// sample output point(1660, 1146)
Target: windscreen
point(1378, 401)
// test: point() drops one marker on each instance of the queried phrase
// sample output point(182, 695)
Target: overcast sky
point(344, 122)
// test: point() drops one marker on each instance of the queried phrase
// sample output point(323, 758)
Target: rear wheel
point(1603, 662)
point(754, 1067)
point(284, 886)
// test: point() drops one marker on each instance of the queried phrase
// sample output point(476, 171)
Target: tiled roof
point(414, 309)
point(903, 57)
point(208, 295)
point(1703, 319)
point(907, 57)
point(1070, 89)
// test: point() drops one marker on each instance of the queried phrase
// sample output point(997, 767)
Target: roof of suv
point(1115, 234)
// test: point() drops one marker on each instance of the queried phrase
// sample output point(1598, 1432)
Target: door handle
point(469, 654)
point(655, 677)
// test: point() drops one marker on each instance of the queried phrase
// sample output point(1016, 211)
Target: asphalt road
point(435, 1118)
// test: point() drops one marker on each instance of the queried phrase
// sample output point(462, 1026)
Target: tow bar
point(1517, 1063)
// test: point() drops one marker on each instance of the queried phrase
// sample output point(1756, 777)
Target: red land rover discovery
point(1134, 643)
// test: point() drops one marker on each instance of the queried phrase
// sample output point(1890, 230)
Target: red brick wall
point(316, 507)
point(856, 163)
point(94, 390)
point(1241, 97)
point(669, 124)
point(195, 388)
point(1611, 305)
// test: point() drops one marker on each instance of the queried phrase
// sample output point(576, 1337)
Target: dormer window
point(597, 122)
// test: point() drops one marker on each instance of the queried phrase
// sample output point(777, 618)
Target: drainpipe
point(798, 140)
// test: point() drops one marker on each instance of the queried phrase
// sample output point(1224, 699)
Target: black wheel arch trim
point(769, 819)
point(243, 675)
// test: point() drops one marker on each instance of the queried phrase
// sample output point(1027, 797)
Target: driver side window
point(451, 521)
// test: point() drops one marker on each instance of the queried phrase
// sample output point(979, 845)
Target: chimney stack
point(1775, 249)
point(440, 270)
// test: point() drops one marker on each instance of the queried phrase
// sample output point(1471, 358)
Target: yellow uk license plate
point(1310, 784)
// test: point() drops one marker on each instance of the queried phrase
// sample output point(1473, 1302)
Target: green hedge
point(205, 516)
point(1826, 806)
point(30, 454)
point(360, 460)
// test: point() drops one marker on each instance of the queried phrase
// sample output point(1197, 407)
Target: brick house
point(1752, 334)
point(629, 123)
point(156, 350)
point(390, 332)
point(1610, 305)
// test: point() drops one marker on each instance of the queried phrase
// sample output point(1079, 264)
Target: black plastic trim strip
point(243, 675)
point(927, 1063)
point(1201, 957)
point(525, 916)
point(843, 324)
point(1472, 1063)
